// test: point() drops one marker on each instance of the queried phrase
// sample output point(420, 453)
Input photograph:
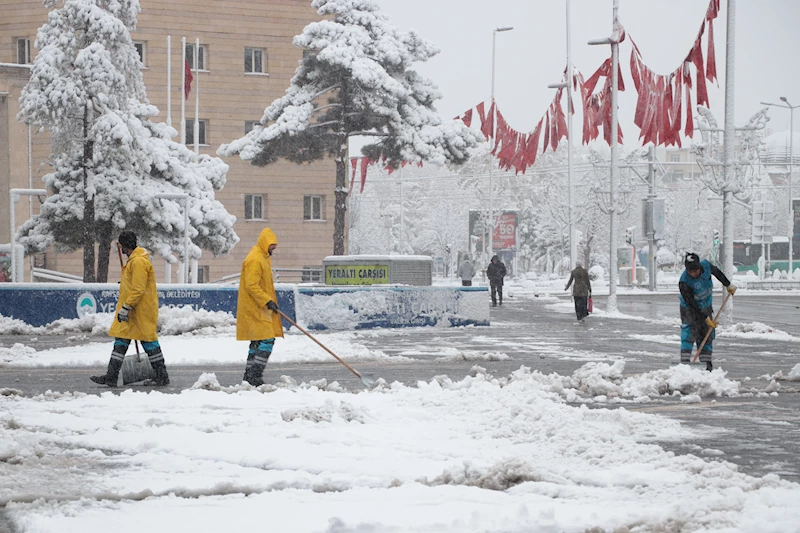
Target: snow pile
point(18, 352)
point(603, 382)
point(211, 350)
point(479, 454)
point(794, 375)
point(171, 321)
point(756, 330)
point(185, 319)
point(460, 355)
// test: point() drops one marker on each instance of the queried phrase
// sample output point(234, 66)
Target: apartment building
point(246, 59)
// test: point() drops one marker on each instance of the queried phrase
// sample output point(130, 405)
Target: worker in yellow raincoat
point(257, 318)
point(136, 314)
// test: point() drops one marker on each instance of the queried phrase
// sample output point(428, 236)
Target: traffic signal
point(716, 237)
point(629, 234)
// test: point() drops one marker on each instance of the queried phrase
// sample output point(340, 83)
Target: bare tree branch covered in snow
point(109, 158)
point(356, 80)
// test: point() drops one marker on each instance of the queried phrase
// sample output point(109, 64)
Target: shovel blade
point(368, 380)
point(136, 369)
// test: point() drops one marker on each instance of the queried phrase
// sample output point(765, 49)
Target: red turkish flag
point(187, 78)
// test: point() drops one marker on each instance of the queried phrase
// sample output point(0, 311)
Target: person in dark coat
point(581, 290)
point(496, 271)
point(696, 292)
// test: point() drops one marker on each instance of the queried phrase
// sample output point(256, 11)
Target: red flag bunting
point(187, 78)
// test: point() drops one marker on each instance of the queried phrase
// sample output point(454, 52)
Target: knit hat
point(692, 262)
point(127, 240)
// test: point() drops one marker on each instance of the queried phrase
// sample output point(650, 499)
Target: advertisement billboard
point(505, 230)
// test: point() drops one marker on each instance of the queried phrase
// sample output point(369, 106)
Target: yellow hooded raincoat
point(256, 287)
point(137, 289)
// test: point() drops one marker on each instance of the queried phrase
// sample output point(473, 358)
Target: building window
point(201, 61)
point(249, 125)
point(255, 60)
point(23, 51)
point(311, 274)
point(675, 158)
point(203, 273)
point(190, 132)
point(253, 207)
point(312, 207)
point(141, 48)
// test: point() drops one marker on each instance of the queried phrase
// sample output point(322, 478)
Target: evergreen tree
point(355, 80)
point(110, 160)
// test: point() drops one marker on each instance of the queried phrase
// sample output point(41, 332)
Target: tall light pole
point(573, 242)
point(791, 109)
point(614, 174)
point(493, 107)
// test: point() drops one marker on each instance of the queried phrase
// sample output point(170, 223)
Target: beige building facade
point(246, 61)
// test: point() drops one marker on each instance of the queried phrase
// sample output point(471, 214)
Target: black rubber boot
point(160, 377)
point(709, 366)
point(111, 375)
point(253, 375)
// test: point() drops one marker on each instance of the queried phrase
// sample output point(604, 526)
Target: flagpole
point(169, 80)
point(183, 91)
point(197, 96)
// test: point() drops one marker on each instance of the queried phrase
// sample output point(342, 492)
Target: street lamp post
point(790, 231)
point(13, 197)
point(573, 242)
point(611, 304)
point(491, 158)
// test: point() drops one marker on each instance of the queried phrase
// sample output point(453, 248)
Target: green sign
point(356, 274)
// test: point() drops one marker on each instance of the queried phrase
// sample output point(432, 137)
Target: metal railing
point(283, 275)
point(53, 275)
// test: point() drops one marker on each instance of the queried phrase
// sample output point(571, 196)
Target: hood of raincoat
point(266, 238)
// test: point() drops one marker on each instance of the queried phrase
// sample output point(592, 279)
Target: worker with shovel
point(696, 293)
point(136, 314)
point(257, 316)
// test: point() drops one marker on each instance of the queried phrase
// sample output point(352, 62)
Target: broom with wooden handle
point(708, 333)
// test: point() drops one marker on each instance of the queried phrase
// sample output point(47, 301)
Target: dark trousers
point(581, 306)
point(497, 291)
point(466, 283)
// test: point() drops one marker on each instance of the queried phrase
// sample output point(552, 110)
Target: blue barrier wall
point(41, 303)
point(319, 307)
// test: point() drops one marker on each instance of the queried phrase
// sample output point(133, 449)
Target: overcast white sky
point(533, 54)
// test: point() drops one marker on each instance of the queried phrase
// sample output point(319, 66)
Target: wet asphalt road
point(761, 435)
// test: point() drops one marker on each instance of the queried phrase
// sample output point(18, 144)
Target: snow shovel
point(134, 367)
point(367, 379)
point(721, 307)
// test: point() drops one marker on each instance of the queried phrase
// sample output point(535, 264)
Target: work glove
point(272, 306)
point(710, 322)
point(731, 289)
point(122, 316)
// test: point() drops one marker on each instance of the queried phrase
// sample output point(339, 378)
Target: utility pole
point(491, 157)
point(730, 141)
point(567, 84)
point(611, 306)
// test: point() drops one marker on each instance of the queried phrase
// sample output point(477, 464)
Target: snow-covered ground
point(484, 453)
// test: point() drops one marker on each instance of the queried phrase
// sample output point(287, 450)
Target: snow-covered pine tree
point(355, 80)
point(109, 159)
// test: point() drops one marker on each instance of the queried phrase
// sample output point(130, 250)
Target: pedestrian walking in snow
point(496, 271)
point(466, 270)
point(696, 297)
point(581, 290)
point(136, 314)
point(257, 318)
